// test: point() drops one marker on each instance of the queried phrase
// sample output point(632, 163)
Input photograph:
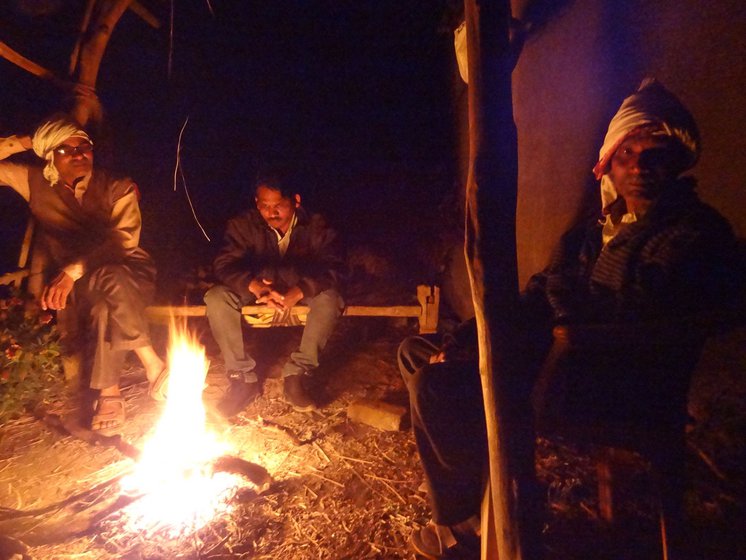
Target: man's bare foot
point(108, 415)
point(152, 363)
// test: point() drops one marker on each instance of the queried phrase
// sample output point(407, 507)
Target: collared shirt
point(610, 228)
point(283, 241)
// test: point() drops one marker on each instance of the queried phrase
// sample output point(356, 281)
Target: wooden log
point(257, 474)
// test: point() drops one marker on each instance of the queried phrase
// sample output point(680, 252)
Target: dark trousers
point(449, 429)
point(105, 318)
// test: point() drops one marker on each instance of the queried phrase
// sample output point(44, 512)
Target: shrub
point(30, 363)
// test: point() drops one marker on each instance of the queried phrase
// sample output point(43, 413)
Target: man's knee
point(110, 275)
point(328, 302)
point(219, 296)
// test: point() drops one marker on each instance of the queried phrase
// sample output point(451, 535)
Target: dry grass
point(348, 491)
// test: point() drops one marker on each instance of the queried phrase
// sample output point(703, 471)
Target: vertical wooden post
point(90, 53)
point(491, 197)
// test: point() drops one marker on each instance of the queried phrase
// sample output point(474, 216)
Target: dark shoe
point(296, 395)
point(239, 394)
point(437, 542)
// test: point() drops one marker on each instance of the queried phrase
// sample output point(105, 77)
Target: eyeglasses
point(66, 150)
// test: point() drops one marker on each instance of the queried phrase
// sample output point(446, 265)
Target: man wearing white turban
point(658, 252)
point(98, 278)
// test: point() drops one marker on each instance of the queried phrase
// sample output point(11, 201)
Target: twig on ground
point(327, 479)
point(387, 485)
point(317, 446)
point(707, 461)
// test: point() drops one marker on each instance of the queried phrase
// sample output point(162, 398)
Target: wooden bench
point(260, 316)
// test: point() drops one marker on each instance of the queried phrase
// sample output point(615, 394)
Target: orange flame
point(174, 473)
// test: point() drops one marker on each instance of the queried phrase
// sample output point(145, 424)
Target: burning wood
point(184, 478)
point(184, 475)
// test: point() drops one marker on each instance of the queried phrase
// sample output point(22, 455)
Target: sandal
point(159, 388)
point(108, 423)
point(437, 542)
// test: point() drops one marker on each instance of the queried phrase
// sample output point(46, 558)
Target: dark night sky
point(355, 95)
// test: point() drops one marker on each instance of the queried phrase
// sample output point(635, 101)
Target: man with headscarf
point(657, 252)
point(98, 279)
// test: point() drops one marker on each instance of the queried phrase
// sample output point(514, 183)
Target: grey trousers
point(105, 318)
point(224, 316)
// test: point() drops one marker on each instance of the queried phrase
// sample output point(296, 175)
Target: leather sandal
point(108, 423)
point(159, 388)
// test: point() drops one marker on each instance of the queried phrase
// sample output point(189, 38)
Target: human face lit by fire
point(73, 159)
point(277, 211)
point(641, 168)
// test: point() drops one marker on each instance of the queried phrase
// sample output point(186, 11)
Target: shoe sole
point(307, 408)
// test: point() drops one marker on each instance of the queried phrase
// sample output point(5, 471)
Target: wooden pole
point(491, 196)
point(91, 52)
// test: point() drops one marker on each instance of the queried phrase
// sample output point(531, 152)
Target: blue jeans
point(224, 316)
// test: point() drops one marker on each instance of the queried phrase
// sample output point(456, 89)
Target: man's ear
point(297, 200)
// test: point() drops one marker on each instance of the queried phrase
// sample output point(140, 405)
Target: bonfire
point(177, 479)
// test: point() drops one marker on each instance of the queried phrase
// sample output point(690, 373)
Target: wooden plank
point(350, 311)
point(390, 311)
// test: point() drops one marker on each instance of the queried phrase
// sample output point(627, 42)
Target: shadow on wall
point(582, 59)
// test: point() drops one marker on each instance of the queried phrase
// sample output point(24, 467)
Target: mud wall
point(574, 73)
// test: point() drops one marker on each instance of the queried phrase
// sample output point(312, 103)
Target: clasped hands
point(265, 293)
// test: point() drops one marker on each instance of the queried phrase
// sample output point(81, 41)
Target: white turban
point(51, 135)
point(651, 105)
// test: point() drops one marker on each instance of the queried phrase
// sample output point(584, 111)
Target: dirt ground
point(344, 490)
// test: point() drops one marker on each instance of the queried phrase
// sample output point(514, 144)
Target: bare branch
point(85, 22)
point(145, 14)
point(22, 62)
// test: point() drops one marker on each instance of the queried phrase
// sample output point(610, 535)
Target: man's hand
point(437, 358)
point(276, 300)
point(55, 293)
point(259, 287)
point(293, 296)
point(262, 290)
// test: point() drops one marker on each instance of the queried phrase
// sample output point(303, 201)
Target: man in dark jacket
point(278, 255)
point(657, 253)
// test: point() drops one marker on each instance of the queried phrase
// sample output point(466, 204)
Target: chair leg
point(669, 471)
point(606, 475)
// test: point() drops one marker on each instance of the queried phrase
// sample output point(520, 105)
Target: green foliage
point(30, 363)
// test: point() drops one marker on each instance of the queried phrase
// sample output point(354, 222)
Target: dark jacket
point(314, 259)
point(679, 259)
